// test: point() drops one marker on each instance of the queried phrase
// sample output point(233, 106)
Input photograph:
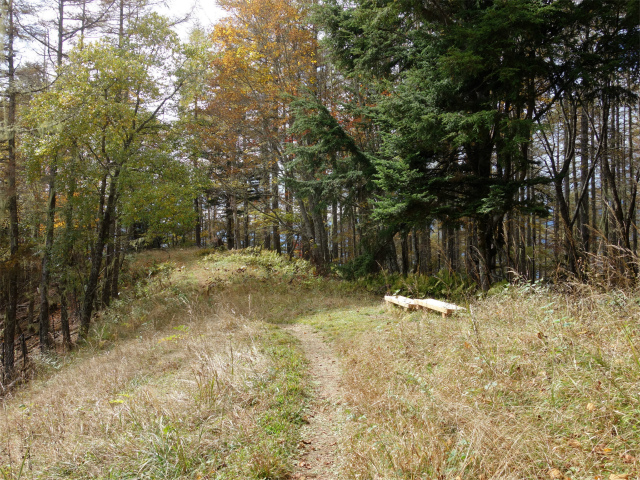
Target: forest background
point(481, 141)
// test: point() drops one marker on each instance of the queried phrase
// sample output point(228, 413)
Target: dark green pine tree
point(460, 86)
point(326, 166)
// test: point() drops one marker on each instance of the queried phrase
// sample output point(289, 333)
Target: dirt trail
point(320, 438)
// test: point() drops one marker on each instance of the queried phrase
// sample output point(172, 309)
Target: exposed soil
point(321, 436)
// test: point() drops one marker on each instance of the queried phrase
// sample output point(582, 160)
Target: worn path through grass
point(320, 456)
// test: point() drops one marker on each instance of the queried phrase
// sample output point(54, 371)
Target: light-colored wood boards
point(429, 303)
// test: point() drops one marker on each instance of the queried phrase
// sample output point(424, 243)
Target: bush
point(444, 284)
point(358, 267)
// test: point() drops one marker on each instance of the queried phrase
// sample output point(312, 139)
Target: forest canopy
point(495, 140)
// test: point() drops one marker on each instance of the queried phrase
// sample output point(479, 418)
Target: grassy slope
point(188, 377)
point(185, 376)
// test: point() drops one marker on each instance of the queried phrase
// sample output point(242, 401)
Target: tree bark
point(404, 252)
point(584, 180)
point(334, 231)
point(12, 203)
point(109, 265)
point(416, 250)
point(97, 254)
point(275, 205)
point(43, 332)
point(198, 225)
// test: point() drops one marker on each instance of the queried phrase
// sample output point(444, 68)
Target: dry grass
point(530, 384)
point(172, 384)
point(187, 377)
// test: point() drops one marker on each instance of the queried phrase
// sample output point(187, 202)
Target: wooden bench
point(413, 304)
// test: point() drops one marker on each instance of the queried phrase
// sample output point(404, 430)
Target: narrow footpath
point(320, 437)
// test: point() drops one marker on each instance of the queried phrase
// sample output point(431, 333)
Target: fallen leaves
point(555, 473)
point(602, 450)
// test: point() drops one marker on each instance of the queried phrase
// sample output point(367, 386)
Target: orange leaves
point(264, 55)
point(264, 45)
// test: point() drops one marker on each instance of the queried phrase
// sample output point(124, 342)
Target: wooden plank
point(412, 304)
point(404, 302)
point(439, 306)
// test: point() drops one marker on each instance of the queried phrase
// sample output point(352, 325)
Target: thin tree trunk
point(404, 252)
point(634, 227)
point(584, 173)
point(275, 205)
point(109, 265)
point(65, 284)
point(230, 226)
point(117, 264)
point(334, 231)
point(12, 204)
point(97, 254)
point(43, 332)
point(246, 222)
point(289, 209)
point(426, 240)
point(64, 320)
point(416, 250)
point(198, 223)
point(451, 248)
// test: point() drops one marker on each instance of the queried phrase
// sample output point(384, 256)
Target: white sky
point(205, 13)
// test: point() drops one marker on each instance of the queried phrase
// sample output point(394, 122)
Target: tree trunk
point(275, 205)
point(64, 320)
point(12, 205)
point(65, 285)
point(315, 250)
point(230, 226)
point(97, 254)
point(321, 235)
point(43, 332)
point(198, 224)
point(404, 252)
point(289, 210)
point(450, 246)
point(486, 251)
point(584, 174)
point(117, 262)
point(416, 250)
point(109, 266)
point(334, 231)
point(246, 222)
point(425, 241)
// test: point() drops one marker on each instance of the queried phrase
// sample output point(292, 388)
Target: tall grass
point(530, 383)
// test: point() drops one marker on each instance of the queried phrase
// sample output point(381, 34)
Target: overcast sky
point(205, 12)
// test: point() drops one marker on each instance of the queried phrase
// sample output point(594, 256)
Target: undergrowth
point(443, 285)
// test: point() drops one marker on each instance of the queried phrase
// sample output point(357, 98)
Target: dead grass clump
point(529, 384)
